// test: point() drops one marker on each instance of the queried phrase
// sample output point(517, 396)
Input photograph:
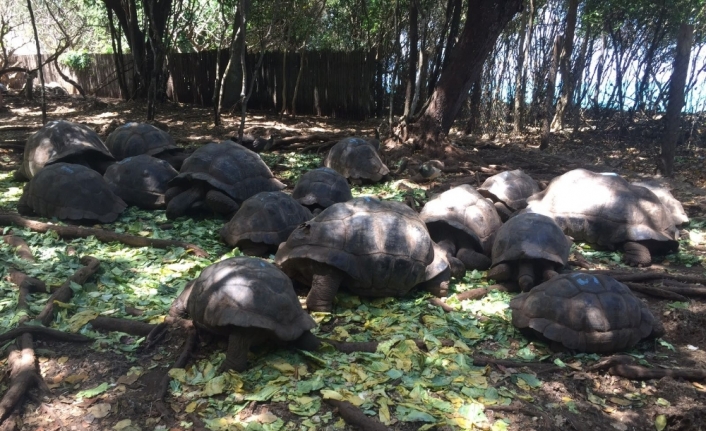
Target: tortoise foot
point(220, 203)
point(324, 286)
point(307, 341)
point(636, 254)
point(180, 203)
point(500, 272)
point(473, 260)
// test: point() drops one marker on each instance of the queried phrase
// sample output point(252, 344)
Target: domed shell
point(230, 168)
point(71, 192)
point(322, 187)
point(604, 209)
point(357, 159)
point(510, 187)
point(382, 247)
point(133, 139)
point(141, 180)
point(64, 141)
point(674, 207)
point(466, 210)
point(530, 236)
point(247, 292)
point(584, 312)
point(267, 217)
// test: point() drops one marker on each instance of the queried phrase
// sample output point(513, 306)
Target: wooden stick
point(132, 327)
point(622, 366)
point(65, 292)
point(100, 234)
point(355, 416)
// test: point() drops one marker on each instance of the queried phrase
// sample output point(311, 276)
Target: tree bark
point(39, 62)
point(599, 72)
point(485, 20)
point(413, 37)
point(676, 99)
point(549, 99)
point(567, 78)
point(517, 123)
point(245, 9)
point(117, 55)
point(657, 37)
point(474, 117)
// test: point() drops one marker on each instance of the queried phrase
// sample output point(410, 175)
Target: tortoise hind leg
point(220, 203)
point(636, 254)
point(179, 204)
point(473, 259)
point(525, 275)
point(307, 341)
point(324, 286)
point(237, 354)
point(501, 272)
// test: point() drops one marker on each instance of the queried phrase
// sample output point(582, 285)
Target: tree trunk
point(244, 8)
point(485, 20)
point(412, 59)
point(676, 99)
point(599, 72)
point(549, 100)
point(649, 59)
point(118, 55)
point(567, 78)
point(518, 125)
point(395, 69)
point(284, 83)
point(474, 117)
point(39, 62)
point(302, 60)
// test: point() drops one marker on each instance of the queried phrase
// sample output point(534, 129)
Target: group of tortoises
point(325, 239)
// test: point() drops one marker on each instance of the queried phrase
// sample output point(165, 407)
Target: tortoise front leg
point(501, 272)
point(324, 285)
point(307, 341)
point(237, 354)
point(548, 270)
point(472, 259)
point(180, 203)
point(636, 254)
point(221, 203)
point(525, 275)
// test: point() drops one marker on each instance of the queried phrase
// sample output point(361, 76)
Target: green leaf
point(531, 380)
point(411, 414)
point(90, 393)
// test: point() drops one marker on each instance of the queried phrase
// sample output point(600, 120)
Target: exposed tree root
point(622, 366)
point(518, 407)
point(23, 376)
point(65, 293)
point(655, 292)
point(355, 416)
point(480, 292)
point(100, 234)
point(540, 367)
point(45, 333)
point(441, 304)
point(372, 346)
point(22, 249)
point(132, 327)
point(580, 261)
point(308, 138)
point(26, 285)
point(641, 277)
point(192, 339)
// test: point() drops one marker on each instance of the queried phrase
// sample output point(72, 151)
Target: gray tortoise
point(509, 191)
point(141, 180)
point(662, 192)
point(371, 247)
point(356, 159)
point(70, 192)
point(220, 175)
point(606, 210)
point(463, 223)
point(584, 312)
point(320, 188)
point(263, 222)
point(250, 301)
point(134, 139)
point(64, 141)
point(528, 247)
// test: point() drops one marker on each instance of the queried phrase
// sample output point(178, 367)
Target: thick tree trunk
point(549, 99)
point(649, 59)
point(599, 72)
point(474, 117)
point(412, 59)
point(485, 20)
point(302, 62)
point(567, 78)
point(115, 40)
point(245, 8)
point(676, 99)
point(39, 62)
point(518, 125)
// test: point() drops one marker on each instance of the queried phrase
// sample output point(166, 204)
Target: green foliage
point(76, 60)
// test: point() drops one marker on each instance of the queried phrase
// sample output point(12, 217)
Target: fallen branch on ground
point(308, 138)
point(132, 327)
point(372, 346)
point(23, 376)
point(480, 292)
point(641, 277)
point(524, 409)
point(355, 416)
point(100, 234)
point(21, 247)
point(43, 332)
point(656, 292)
point(65, 292)
point(26, 285)
point(540, 367)
point(622, 366)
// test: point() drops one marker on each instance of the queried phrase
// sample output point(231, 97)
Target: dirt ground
point(569, 398)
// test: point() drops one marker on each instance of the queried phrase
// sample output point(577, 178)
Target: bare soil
point(568, 398)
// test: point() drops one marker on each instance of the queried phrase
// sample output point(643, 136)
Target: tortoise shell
point(71, 192)
point(530, 236)
point(604, 209)
point(674, 207)
point(267, 217)
point(584, 312)
point(382, 247)
point(141, 180)
point(133, 139)
point(64, 141)
point(322, 187)
point(229, 168)
point(510, 187)
point(356, 159)
point(247, 292)
point(467, 211)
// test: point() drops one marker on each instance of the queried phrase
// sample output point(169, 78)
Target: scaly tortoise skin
point(263, 222)
point(371, 247)
point(606, 210)
point(320, 188)
point(70, 192)
point(67, 142)
point(221, 175)
point(356, 159)
point(585, 312)
point(134, 139)
point(528, 247)
point(509, 191)
point(141, 180)
point(463, 223)
point(249, 300)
